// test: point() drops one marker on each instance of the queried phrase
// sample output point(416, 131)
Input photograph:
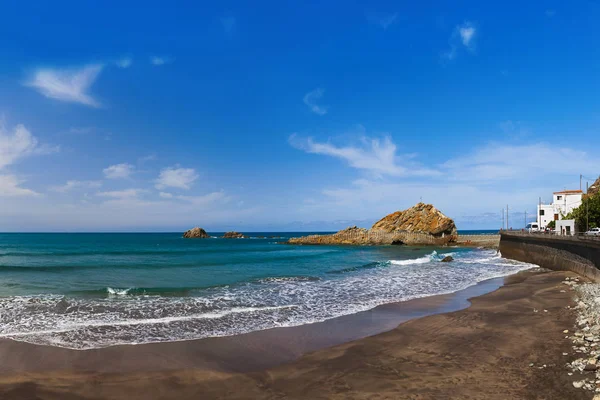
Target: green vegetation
point(551, 224)
point(589, 210)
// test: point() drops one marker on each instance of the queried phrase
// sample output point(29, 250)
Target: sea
point(93, 290)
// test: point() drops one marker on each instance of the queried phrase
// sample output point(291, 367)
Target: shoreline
point(223, 352)
point(483, 349)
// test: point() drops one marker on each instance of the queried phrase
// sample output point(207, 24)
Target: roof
point(569, 192)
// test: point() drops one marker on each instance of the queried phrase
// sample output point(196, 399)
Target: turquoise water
point(95, 290)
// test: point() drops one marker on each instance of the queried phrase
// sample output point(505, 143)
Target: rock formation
point(594, 189)
point(447, 259)
point(421, 224)
point(233, 235)
point(196, 233)
point(422, 218)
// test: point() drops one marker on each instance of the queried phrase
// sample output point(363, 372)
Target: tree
point(551, 224)
point(587, 215)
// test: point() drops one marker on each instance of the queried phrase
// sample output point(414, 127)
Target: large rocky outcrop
point(422, 224)
point(196, 233)
point(422, 218)
point(594, 189)
point(233, 235)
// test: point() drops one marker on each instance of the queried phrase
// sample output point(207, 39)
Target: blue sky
point(291, 115)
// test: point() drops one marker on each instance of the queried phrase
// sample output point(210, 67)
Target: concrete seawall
point(561, 253)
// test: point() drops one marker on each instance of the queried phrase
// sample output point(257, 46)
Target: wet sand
point(482, 352)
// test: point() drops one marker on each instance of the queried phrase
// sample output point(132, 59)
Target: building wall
point(560, 207)
point(566, 225)
point(561, 253)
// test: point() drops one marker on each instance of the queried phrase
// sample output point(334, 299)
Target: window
point(541, 212)
point(558, 197)
point(556, 217)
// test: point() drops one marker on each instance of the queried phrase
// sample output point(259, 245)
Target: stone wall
point(563, 253)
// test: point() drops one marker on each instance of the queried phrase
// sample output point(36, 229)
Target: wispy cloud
point(206, 199)
point(70, 85)
point(228, 24)
point(74, 184)
point(374, 155)
point(311, 98)
point(463, 36)
point(165, 195)
point(10, 187)
point(160, 60)
point(495, 162)
point(124, 62)
point(385, 20)
point(181, 178)
point(118, 171)
point(121, 194)
point(16, 144)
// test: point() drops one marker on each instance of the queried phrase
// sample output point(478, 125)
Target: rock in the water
point(423, 218)
point(196, 233)
point(418, 225)
point(233, 235)
point(447, 259)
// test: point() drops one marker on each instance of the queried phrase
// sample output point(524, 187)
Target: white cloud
point(73, 184)
point(118, 171)
point(228, 24)
point(124, 62)
point(9, 187)
point(385, 20)
point(165, 195)
point(181, 178)
point(463, 35)
point(158, 61)
point(121, 194)
point(70, 85)
point(467, 34)
point(205, 199)
point(15, 145)
point(375, 155)
point(495, 162)
point(311, 97)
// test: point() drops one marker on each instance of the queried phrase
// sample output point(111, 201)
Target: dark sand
point(482, 352)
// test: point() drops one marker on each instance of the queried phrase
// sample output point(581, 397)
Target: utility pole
point(502, 219)
point(580, 177)
point(587, 210)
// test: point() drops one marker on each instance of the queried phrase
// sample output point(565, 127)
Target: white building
point(565, 227)
point(562, 203)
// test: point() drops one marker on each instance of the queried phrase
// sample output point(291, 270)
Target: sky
point(292, 116)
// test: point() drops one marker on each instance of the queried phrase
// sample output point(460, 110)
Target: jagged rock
point(447, 259)
point(418, 225)
point(196, 233)
point(233, 235)
point(422, 218)
point(594, 189)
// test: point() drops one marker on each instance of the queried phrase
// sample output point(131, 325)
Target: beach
point(508, 344)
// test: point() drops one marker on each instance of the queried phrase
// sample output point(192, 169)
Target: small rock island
point(233, 235)
point(196, 233)
point(422, 224)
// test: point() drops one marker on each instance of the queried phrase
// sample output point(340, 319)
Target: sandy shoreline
point(483, 351)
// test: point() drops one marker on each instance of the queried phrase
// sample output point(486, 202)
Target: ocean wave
point(126, 315)
point(360, 267)
point(421, 260)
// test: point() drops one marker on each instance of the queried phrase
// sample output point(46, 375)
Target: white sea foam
point(421, 260)
point(118, 292)
point(84, 323)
